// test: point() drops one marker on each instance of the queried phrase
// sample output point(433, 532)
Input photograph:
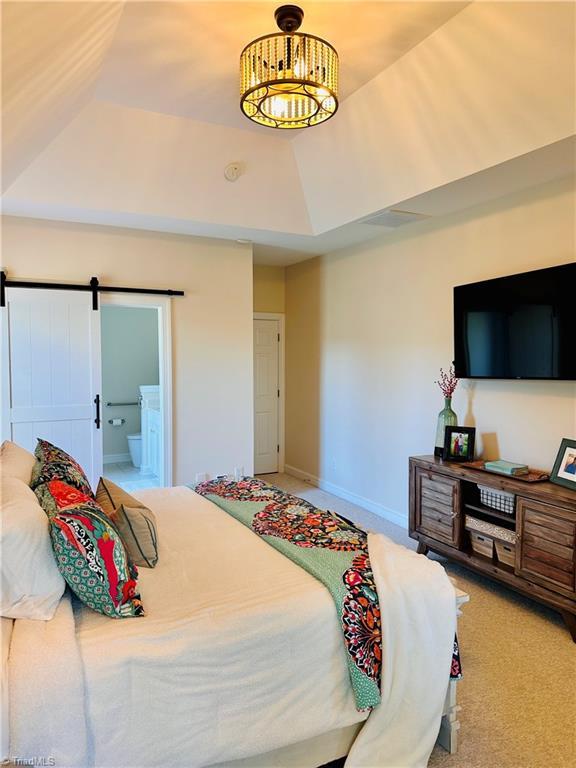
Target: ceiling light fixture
point(289, 79)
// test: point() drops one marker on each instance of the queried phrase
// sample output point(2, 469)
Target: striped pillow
point(136, 523)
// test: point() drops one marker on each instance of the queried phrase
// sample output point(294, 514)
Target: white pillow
point(31, 584)
point(16, 462)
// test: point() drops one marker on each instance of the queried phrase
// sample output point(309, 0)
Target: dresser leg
point(570, 621)
point(422, 549)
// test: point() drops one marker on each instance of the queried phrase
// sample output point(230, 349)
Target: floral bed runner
point(331, 549)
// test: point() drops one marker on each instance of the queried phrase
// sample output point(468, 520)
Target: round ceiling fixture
point(289, 79)
point(233, 171)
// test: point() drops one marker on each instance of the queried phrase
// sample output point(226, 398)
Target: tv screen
point(517, 327)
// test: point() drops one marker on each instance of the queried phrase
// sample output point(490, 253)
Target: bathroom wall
point(129, 359)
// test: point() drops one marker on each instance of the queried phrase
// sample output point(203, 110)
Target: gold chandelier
point(289, 80)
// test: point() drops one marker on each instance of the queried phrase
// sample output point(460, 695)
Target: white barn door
point(266, 395)
point(51, 373)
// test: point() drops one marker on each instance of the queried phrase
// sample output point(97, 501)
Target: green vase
point(446, 418)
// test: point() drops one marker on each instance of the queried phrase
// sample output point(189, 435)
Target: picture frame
point(564, 471)
point(459, 443)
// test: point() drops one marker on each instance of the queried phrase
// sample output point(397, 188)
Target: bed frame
point(448, 735)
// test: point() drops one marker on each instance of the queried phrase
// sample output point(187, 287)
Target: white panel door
point(51, 360)
point(266, 395)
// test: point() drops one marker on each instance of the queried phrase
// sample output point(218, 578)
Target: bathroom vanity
point(151, 428)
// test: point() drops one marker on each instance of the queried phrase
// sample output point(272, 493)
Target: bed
point(238, 662)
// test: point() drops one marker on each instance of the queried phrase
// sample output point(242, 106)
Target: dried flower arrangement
point(448, 381)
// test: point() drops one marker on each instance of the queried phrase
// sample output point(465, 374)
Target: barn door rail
point(93, 287)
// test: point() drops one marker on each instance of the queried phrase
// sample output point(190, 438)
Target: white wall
point(211, 324)
point(369, 327)
point(129, 359)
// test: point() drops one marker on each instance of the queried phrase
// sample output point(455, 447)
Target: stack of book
point(506, 468)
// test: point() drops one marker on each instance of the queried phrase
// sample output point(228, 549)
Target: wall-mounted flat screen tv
point(517, 327)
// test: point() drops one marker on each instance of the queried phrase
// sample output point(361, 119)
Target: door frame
point(281, 317)
point(164, 307)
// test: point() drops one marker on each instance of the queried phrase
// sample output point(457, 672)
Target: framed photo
point(564, 472)
point(459, 443)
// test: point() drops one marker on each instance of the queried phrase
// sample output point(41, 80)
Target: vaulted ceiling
point(127, 113)
point(181, 58)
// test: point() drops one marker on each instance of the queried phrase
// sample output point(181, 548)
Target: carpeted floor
point(518, 695)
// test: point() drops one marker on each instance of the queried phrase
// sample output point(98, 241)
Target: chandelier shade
point(289, 79)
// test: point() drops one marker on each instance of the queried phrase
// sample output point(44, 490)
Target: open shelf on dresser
point(500, 518)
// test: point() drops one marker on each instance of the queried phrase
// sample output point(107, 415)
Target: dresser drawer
point(437, 506)
point(546, 551)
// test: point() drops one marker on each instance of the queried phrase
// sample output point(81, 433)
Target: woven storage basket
point(484, 536)
point(503, 501)
point(506, 552)
point(482, 545)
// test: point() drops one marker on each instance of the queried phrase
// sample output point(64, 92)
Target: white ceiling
point(181, 58)
point(52, 55)
point(125, 114)
point(556, 161)
point(553, 162)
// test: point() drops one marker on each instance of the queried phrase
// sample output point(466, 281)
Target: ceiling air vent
point(395, 218)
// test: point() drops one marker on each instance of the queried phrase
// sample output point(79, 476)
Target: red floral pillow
point(58, 494)
point(89, 551)
point(53, 463)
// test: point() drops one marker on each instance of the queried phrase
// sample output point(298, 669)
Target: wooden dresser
point(540, 546)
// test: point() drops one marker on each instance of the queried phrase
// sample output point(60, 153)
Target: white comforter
point(240, 653)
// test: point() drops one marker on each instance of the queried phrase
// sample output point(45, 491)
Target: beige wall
point(369, 327)
point(211, 324)
point(303, 353)
point(269, 288)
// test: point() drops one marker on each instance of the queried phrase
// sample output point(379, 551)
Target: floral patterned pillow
point(56, 494)
point(89, 551)
point(54, 463)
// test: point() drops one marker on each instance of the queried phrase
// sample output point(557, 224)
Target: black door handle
point(97, 404)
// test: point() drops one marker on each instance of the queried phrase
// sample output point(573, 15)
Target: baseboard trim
point(372, 506)
point(116, 458)
point(301, 475)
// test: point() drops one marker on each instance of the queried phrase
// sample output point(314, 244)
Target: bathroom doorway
point(136, 389)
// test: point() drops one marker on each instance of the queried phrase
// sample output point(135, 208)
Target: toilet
point(135, 448)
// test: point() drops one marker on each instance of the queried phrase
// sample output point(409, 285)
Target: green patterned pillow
point(89, 552)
